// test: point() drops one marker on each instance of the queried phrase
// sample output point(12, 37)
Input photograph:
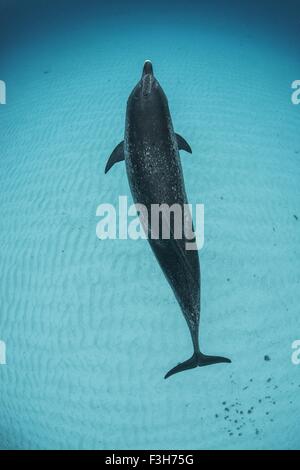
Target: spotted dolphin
point(150, 150)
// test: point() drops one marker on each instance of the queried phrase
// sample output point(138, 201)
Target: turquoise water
point(91, 326)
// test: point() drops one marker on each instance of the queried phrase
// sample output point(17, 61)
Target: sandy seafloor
point(91, 326)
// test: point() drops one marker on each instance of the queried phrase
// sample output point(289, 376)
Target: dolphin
point(150, 150)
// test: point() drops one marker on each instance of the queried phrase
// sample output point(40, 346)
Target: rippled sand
point(92, 326)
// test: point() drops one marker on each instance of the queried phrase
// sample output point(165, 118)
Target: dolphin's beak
point(148, 69)
point(147, 79)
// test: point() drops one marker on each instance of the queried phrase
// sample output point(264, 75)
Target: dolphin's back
point(155, 177)
point(151, 153)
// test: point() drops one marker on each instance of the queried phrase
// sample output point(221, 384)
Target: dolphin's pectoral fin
point(116, 156)
point(182, 144)
point(197, 359)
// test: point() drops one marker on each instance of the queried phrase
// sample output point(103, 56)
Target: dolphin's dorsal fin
point(182, 144)
point(116, 156)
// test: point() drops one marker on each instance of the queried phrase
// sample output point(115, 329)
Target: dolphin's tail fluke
point(197, 359)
